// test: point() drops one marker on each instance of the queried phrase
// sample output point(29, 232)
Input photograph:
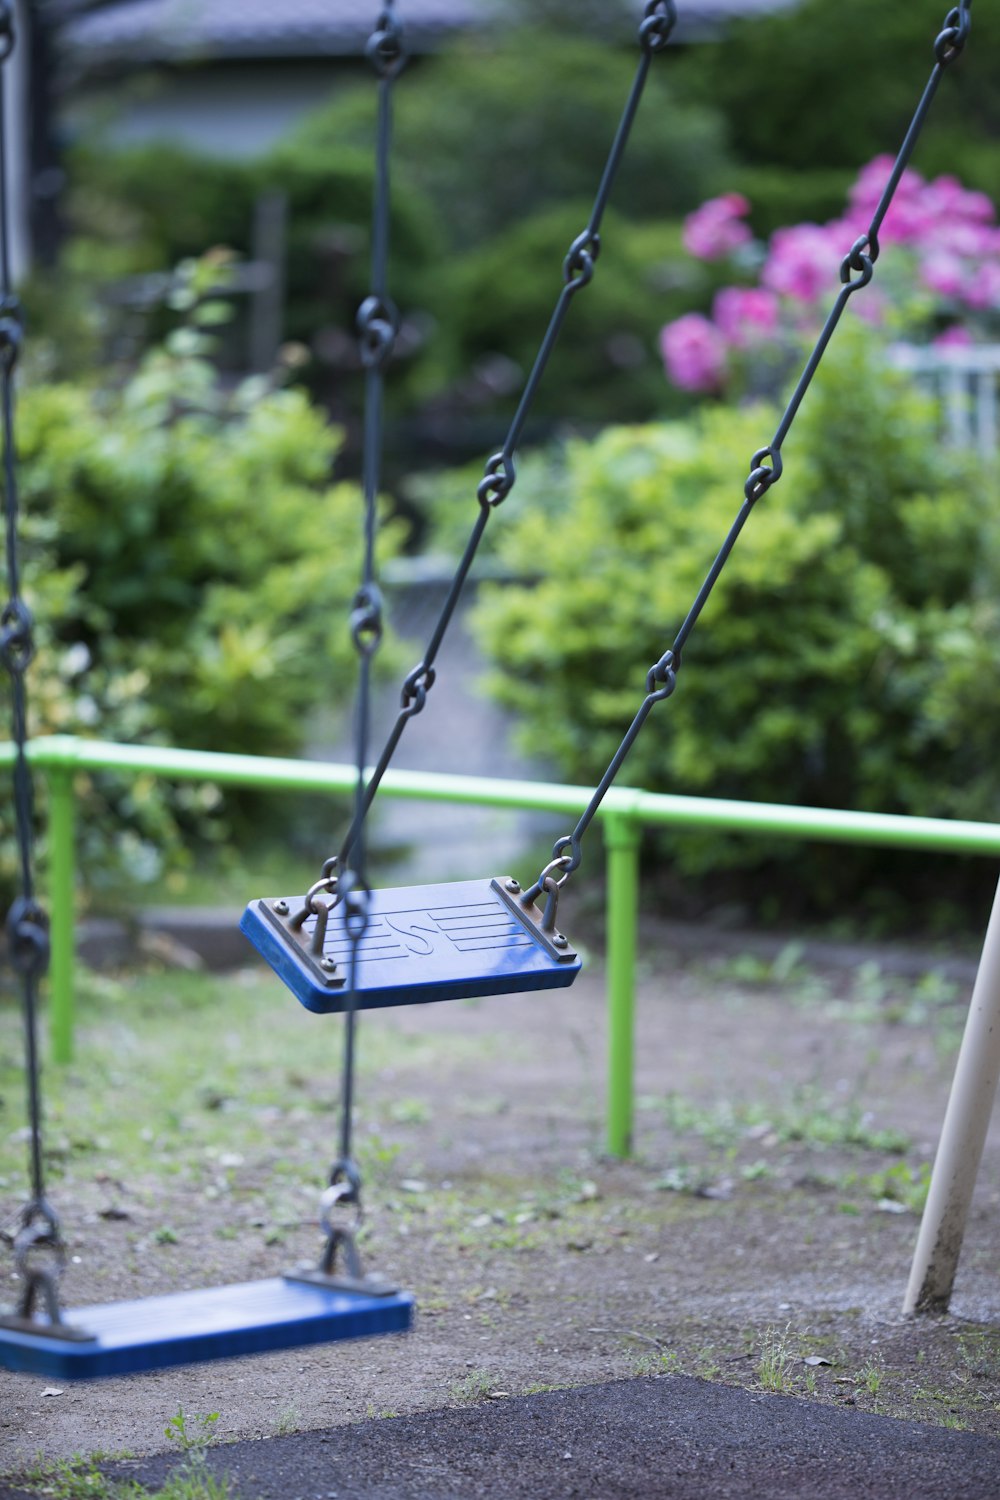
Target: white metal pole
point(963, 1136)
point(16, 123)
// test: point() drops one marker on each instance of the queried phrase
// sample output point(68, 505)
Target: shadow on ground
point(672, 1437)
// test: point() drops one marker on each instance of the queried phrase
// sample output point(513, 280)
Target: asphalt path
point(668, 1437)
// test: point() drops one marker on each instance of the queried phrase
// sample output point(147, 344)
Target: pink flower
point(943, 273)
point(950, 254)
point(866, 194)
point(963, 239)
point(915, 207)
point(871, 307)
point(944, 196)
point(694, 353)
point(977, 206)
point(745, 315)
point(983, 288)
point(715, 229)
point(955, 337)
point(803, 262)
point(907, 222)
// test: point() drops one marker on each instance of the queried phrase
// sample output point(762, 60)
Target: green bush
point(328, 271)
point(783, 195)
point(191, 567)
point(494, 307)
point(497, 156)
point(843, 657)
point(490, 133)
point(151, 205)
point(806, 88)
point(158, 204)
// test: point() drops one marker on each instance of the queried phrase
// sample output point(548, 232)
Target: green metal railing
point(624, 813)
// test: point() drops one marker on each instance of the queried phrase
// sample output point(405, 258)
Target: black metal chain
point(377, 323)
point(500, 476)
point(856, 271)
point(27, 924)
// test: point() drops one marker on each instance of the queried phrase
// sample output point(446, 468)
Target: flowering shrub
point(716, 229)
point(843, 659)
point(694, 351)
point(942, 282)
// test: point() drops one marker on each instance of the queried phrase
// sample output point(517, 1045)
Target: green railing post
point(62, 883)
point(624, 812)
point(621, 839)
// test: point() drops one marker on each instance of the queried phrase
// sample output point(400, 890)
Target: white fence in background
point(967, 382)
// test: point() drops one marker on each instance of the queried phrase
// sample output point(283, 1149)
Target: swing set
point(343, 947)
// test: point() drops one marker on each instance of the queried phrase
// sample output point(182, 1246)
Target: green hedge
point(494, 304)
point(490, 134)
point(817, 86)
point(846, 656)
point(191, 567)
point(783, 195)
point(497, 155)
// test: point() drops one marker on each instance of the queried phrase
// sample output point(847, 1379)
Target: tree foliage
point(810, 87)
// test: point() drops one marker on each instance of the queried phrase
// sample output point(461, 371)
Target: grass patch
point(201, 1078)
point(82, 1478)
point(809, 1116)
point(775, 1360)
point(475, 1386)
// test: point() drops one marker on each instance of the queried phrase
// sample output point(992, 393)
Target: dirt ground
point(761, 1236)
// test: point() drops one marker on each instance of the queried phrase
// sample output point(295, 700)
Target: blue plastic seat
point(430, 942)
point(254, 1317)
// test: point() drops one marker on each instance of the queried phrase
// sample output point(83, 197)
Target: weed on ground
point(760, 1236)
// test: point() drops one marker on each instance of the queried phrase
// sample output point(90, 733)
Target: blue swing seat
point(422, 943)
point(254, 1317)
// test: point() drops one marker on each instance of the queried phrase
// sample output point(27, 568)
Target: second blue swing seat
point(254, 1317)
point(422, 943)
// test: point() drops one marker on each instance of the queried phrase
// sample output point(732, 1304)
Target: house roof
point(168, 30)
point(706, 18)
point(171, 30)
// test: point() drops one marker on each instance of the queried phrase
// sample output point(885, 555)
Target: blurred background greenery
point(172, 491)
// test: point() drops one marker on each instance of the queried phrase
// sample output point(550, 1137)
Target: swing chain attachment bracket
point(40, 1231)
point(344, 1192)
point(293, 923)
point(543, 923)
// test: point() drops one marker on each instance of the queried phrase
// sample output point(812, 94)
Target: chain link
point(856, 271)
point(498, 480)
point(27, 925)
point(953, 38)
point(659, 21)
point(578, 267)
point(500, 475)
point(384, 48)
point(377, 326)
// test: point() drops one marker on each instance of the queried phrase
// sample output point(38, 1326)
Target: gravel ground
point(760, 1238)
